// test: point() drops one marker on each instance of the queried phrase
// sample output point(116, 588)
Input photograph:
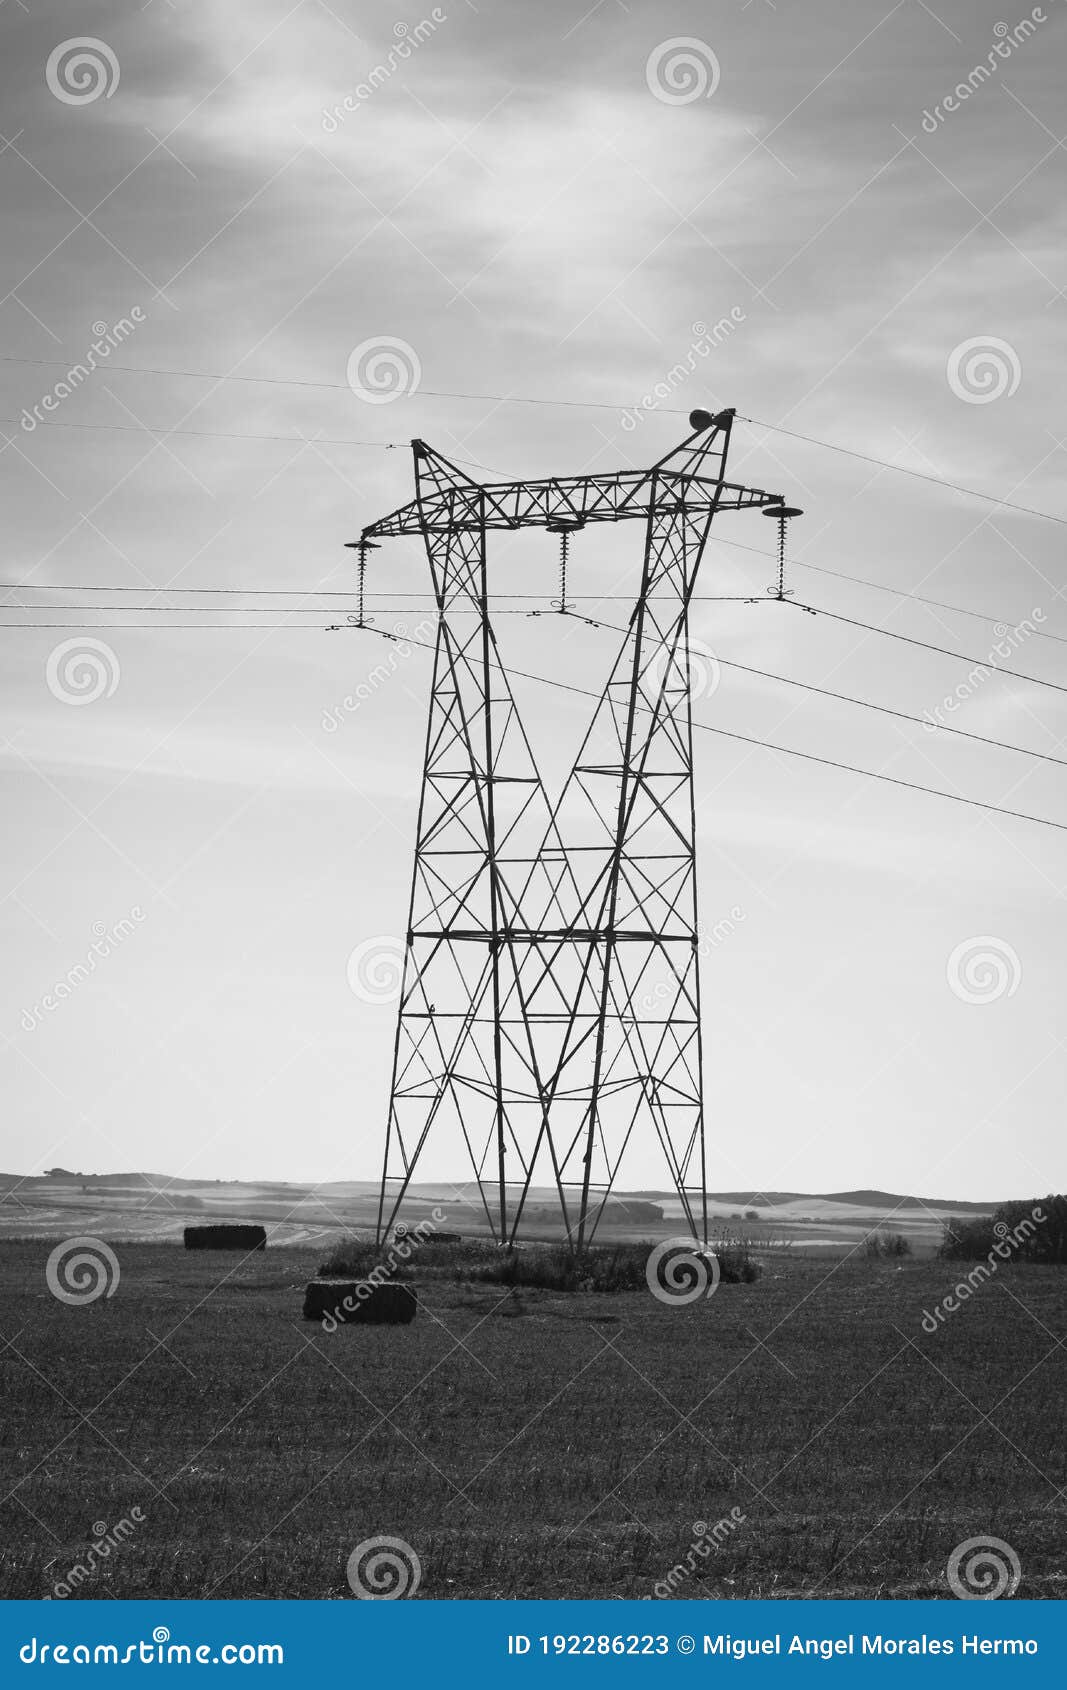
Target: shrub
point(968, 1240)
point(547, 1267)
point(552, 1267)
point(358, 1256)
point(884, 1243)
point(737, 1265)
point(604, 1268)
point(1027, 1232)
point(350, 1256)
point(752, 1214)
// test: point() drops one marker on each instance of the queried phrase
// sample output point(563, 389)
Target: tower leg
point(463, 1067)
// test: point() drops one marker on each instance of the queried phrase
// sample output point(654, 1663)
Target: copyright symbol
point(686, 1645)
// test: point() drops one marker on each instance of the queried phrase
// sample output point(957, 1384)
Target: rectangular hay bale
point(225, 1237)
point(402, 1233)
point(357, 1301)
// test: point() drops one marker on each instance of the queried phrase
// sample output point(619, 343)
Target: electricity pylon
point(550, 1007)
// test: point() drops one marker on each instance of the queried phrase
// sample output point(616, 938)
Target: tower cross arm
point(576, 499)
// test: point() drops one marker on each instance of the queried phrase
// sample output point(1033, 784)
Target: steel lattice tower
point(550, 1005)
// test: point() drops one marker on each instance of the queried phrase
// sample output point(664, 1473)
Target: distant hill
point(129, 1182)
point(616, 1209)
point(887, 1199)
point(639, 1203)
point(858, 1199)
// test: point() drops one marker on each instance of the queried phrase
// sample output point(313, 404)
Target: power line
point(164, 627)
point(590, 598)
point(342, 386)
point(328, 592)
point(784, 750)
point(902, 469)
point(535, 400)
point(196, 375)
point(208, 609)
point(271, 609)
point(925, 645)
point(884, 587)
point(866, 704)
point(903, 593)
point(81, 587)
point(431, 610)
point(532, 598)
point(887, 710)
point(891, 780)
point(705, 727)
point(209, 434)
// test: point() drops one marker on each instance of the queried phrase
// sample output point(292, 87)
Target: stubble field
point(529, 1444)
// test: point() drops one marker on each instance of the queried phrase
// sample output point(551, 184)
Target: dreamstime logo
point(408, 37)
point(108, 337)
point(82, 670)
point(983, 369)
point(82, 1269)
point(399, 650)
point(667, 672)
point(705, 671)
point(706, 1538)
point(376, 969)
point(679, 1271)
point(155, 1651)
point(105, 1540)
point(1007, 643)
point(81, 69)
point(400, 1251)
point(983, 1569)
point(1008, 1239)
point(682, 70)
point(383, 1569)
point(983, 969)
point(701, 346)
point(105, 941)
point(1007, 39)
point(708, 939)
point(383, 369)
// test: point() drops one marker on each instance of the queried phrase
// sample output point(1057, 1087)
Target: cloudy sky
point(550, 202)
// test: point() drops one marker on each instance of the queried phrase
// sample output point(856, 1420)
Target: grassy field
point(530, 1444)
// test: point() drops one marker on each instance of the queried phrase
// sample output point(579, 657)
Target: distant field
point(296, 1215)
point(531, 1445)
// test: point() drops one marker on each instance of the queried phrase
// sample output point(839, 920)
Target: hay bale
point(402, 1233)
point(348, 1302)
point(223, 1237)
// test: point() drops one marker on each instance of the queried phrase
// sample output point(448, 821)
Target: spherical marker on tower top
point(701, 419)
